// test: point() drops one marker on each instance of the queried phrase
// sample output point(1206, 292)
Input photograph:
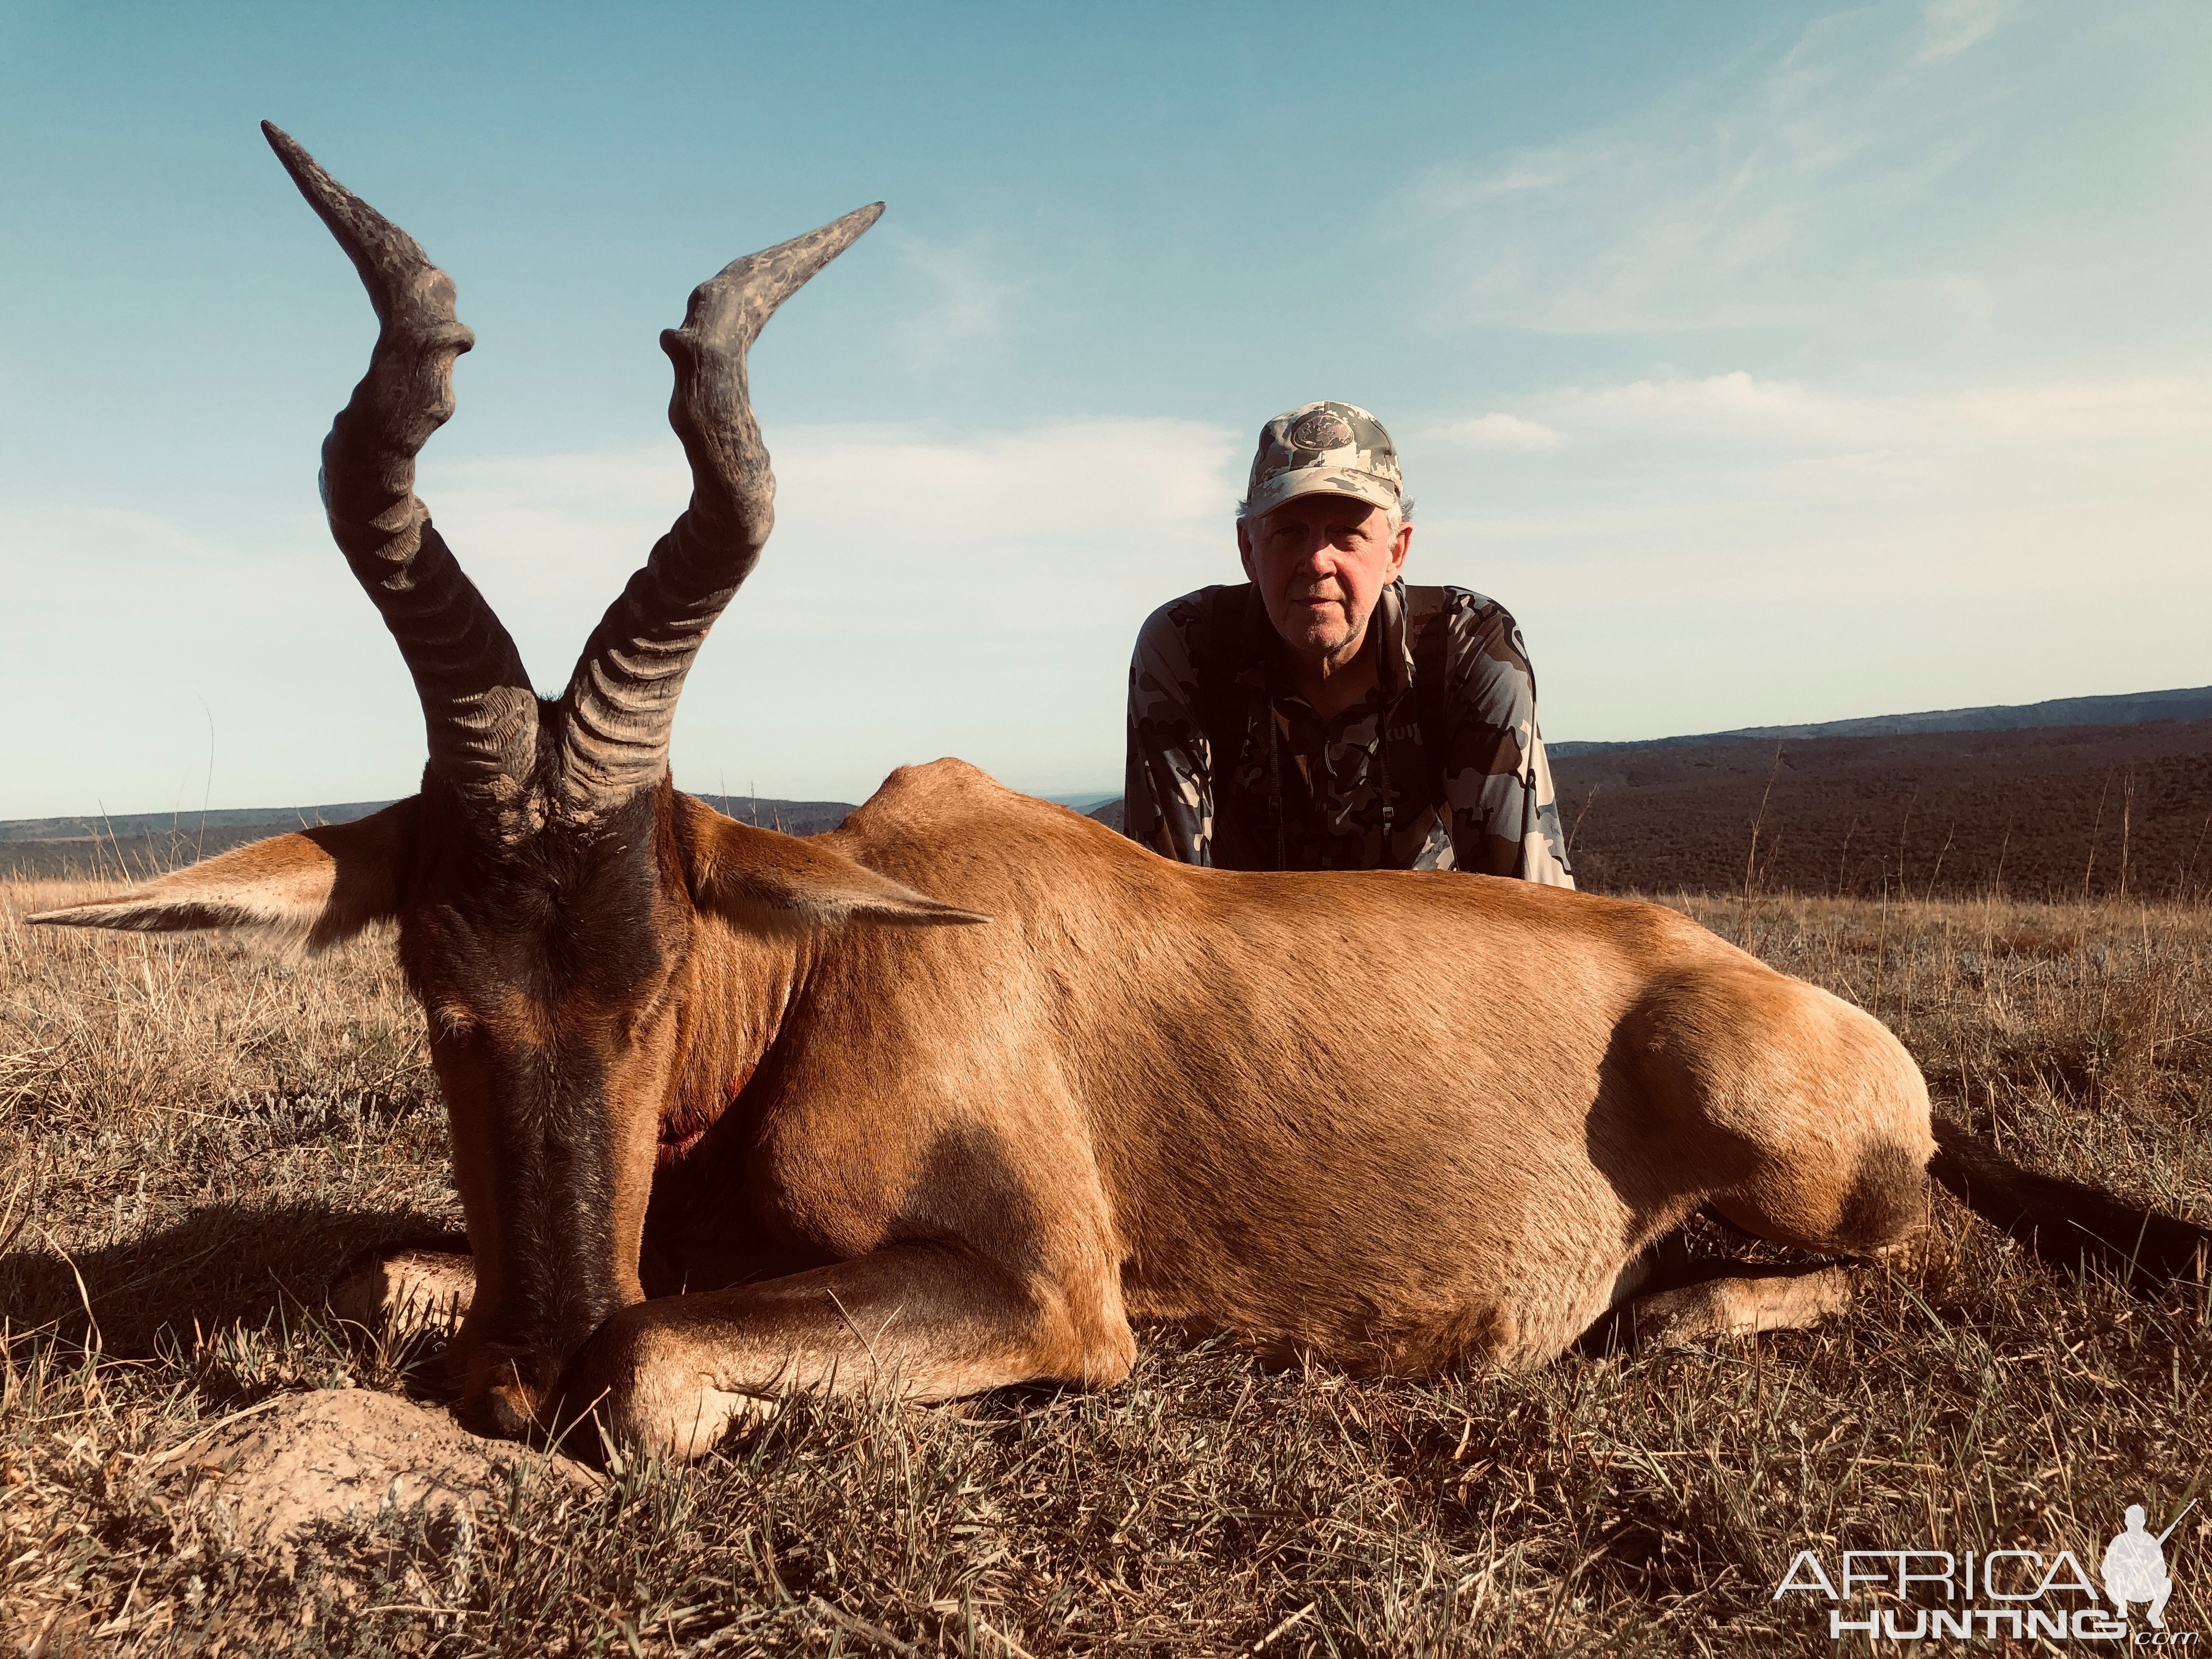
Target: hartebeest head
point(547, 880)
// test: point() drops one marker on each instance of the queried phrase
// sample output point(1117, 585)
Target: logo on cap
point(1322, 429)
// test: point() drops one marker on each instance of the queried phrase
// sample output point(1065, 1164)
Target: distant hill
point(136, 845)
point(127, 825)
point(2131, 709)
point(2047, 812)
point(1985, 802)
point(793, 818)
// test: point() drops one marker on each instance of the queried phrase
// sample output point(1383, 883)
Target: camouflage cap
point(1338, 448)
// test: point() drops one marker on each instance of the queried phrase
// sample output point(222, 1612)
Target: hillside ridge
point(2048, 813)
point(2123, 708)
point(135, 846)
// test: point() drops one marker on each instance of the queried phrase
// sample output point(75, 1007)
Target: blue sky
point(1771, 363)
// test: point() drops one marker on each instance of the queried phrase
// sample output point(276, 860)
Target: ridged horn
point(479, 712)
point(621, 701)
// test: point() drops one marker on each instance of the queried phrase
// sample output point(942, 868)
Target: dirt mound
point(343, 1457)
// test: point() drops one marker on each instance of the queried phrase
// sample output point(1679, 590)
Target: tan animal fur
point(1338, 1114)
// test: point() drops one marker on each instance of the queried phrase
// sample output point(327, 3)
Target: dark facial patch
point(555, 948)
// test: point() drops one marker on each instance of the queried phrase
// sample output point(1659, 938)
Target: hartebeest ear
point(313, 888)
point(763, 878)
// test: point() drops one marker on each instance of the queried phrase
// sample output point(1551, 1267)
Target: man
point(1324, 715)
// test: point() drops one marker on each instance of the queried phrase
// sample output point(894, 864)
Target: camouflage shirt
point(1363, 790)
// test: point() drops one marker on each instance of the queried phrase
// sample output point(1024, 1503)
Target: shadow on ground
point(221, 1263)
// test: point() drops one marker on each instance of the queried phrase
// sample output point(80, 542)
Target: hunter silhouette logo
point(2135, 1565)
point(1929, 1594)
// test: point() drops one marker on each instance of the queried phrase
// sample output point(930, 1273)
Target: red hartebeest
point(734, 1112)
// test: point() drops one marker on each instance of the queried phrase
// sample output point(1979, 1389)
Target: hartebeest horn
point(478, 705)
point(621, 701)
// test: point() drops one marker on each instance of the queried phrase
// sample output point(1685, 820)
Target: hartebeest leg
point(1777, 1300)
point(402, 1293)
point(924, 1322)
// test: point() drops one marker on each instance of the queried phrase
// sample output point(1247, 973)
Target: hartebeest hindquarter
point(947, 1098)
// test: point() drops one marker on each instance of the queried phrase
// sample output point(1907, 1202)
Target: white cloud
point(924, 594)
point(1698, 550)
point(1499, 431)
point(1088, 505)
point(1695, 552)
point(1767, 196)
point(970, 303)
point(1950, 27)
point(1793, 415)
point(125, 535)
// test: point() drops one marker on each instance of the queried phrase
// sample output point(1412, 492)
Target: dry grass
point(192, 1140)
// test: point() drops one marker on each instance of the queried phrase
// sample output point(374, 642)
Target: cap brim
point(1321, 481)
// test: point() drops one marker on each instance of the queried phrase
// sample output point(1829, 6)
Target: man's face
point(1321, 562)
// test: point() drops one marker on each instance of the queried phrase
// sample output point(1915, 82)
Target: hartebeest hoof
point(402, 1294)
point(632, 1388)
point(1788, 1300)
